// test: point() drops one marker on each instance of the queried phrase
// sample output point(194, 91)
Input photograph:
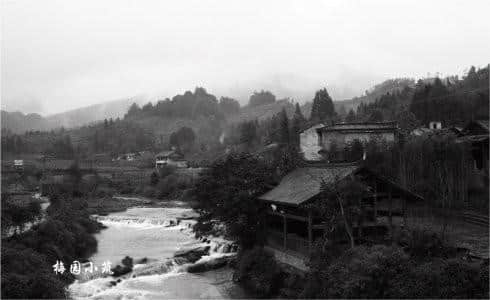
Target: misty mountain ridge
point(18, 122)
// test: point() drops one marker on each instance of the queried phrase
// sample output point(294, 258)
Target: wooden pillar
point(310, 231)
point(390, 213)
point(359, 220)
point(404, 203)
point(375, 202)
point(285, 231)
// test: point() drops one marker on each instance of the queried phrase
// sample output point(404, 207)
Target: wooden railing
point(294, 243)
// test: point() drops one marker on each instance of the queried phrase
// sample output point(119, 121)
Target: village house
point(170, 158)
point(293, 225)
point(433, 126)
point(321, 138)
point(477, 134)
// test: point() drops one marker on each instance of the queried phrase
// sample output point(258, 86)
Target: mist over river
point(153, 233)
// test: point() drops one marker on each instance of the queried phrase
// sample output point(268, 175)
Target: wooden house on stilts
point(292, 226)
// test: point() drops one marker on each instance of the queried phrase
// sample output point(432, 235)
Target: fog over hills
point(18, 122)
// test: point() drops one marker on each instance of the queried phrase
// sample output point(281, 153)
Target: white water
point(152, 233)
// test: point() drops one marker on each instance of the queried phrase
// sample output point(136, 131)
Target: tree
point(376, 116)
point(351, 116)
point(299, 123)
point(229, 105)
point(183, 139)
point(227, 193)
point(342, 206)
point(354, 150)
point(322, 107)
point(248, 134)
point(134, 110)
point(407, 122)
point(261, 98)
point(284, 127)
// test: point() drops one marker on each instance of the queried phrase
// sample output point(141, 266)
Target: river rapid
point(154, 233)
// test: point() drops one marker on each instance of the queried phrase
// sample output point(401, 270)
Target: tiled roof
point(166, 153)
point(304, 183)
point(364, 126)
point(483, 124)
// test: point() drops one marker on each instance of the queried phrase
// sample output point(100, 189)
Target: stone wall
point(310, 143)
point(341, 139)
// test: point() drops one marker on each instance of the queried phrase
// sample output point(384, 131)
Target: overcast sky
point(59, 55)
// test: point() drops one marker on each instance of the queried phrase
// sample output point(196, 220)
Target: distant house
point(19, 164)
point(292, 226)
point(170, 158)
point(128, 156)
point(319, 139)
point(433, 126)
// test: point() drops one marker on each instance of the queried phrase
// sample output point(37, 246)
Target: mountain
point(262, 112)
point(17, 122)
point(387, 86)
point(85, 115)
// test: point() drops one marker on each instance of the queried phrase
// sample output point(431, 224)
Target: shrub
point(25, 274)
point(366, 272)
point(27, 258)
point(389, 272)
point(442, 279)
point(258, 271)
point(148, 191)
point(167, 186)
point(459, 279)
point(154, 178)
point(166, 170)
point(426, 244)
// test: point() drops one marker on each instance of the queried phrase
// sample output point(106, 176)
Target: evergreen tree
point(134, 109)
point(298, 115)
point(299, 123)
point(323, 107)
point(248, 134)
point(261, 98)
point(376, 116)
point(351, 116)
point(284, 127)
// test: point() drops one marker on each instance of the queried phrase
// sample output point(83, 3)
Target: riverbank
point(169, 261)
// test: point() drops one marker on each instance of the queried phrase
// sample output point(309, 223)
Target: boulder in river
point(194, 254)
point(210, 264)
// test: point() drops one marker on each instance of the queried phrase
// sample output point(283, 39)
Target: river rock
point(209, 265)
point(143, 260)
point(119, 271)
point(193, 255)
point(227, 248)
point(180, 260)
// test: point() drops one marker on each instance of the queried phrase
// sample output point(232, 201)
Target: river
point(152, 233)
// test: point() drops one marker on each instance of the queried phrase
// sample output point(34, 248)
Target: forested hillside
point(220, 123)
point(387, 86)
point(450, 100)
